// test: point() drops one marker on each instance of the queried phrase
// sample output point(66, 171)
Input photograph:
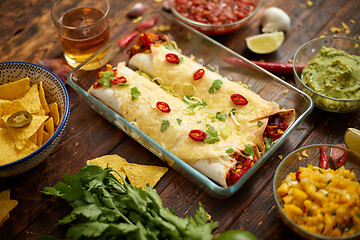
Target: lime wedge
point(265, 43)
point(352, 139)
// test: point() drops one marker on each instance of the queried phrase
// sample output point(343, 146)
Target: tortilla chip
point(40, 135)
point(49, 126)
point(10, 107)
point(9, 153)
point(113, 161)
point(54, 113)
point(34, 138)
point(6, 206)
point(46, 137)
point(141, 175)
point(5, 194)
point(15, 90)
point(43, 99)
point(31, 100)
point(21, 136)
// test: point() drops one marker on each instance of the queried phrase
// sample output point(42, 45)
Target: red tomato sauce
point(215, 12)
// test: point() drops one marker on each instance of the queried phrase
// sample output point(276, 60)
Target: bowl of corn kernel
point(317, 192)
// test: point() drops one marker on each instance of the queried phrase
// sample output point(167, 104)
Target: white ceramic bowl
point(54, 91)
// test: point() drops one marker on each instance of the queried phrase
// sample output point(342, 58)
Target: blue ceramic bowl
point(54, 91)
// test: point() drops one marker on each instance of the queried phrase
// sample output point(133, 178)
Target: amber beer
point(78, 44)
point(83, 29)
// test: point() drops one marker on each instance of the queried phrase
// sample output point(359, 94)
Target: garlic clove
point(275, 19)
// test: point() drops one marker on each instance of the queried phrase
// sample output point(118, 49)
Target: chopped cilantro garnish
point(221, 116)
point(181, 60)
point(167, 46)
point(198, 122)
point(211, 135)
point(215, 86)
point(134, 93)
point(281, 107)
point(268, 142)
point(249, 150)
point(230, 150)
point(164, 125)
point(333, 212)
point(260, 123)
point(123, 84)
point(327, 195)
point(179, 121)
point(106, 77)
point(358, 215)
point(232, 112)
point(329, 182)
point(193, 106)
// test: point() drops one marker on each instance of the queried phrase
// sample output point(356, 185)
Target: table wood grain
point(28, 34)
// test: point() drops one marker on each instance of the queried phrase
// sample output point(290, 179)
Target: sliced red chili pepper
point(163, 106)
point(297, 175)
point(96, 85)
point(199, 74)
point(197, 135)
point(172, 58)
point(147, 23)
point(118, 80)
point(323, 163)
point(239, 99)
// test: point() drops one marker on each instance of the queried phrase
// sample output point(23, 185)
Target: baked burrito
point(219, 127)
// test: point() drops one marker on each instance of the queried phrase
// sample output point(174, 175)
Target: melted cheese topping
point(175, 138)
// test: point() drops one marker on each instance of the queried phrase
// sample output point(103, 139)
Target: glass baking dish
point(194, 43)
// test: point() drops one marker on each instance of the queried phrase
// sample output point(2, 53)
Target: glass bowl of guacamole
point(331, 76)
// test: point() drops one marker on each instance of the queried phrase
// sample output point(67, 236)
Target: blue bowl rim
point(61, 125)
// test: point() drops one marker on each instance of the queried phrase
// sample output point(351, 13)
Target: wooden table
point(28, 34)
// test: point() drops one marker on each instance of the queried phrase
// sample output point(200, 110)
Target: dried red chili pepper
point(197, 135)
point(118, 80)
point(342, 160)
point(239, 99)
point(199, 74)
point(172, 58)
point(124, 41)
point(147, 23)
point(163, 106)
point(323, 163)
point(297, 175)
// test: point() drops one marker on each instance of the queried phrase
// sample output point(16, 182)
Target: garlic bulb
point(275, 19)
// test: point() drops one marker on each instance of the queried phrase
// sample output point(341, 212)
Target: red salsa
point(217, 12)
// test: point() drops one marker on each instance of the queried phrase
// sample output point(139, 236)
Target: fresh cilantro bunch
point(105, 209)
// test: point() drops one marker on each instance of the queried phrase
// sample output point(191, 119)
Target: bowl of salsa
point(215, 17)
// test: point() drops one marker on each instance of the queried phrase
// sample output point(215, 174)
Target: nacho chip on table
point(141, 175)
point(6, 205)
point(113, 161)
point(15, 90)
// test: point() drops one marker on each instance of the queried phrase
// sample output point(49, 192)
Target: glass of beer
point(83, 29)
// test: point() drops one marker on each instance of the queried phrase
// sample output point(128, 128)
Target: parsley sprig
point(102, 208)
point(215, 86)
point(211, 135)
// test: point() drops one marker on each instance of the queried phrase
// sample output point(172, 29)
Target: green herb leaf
point(232, 112)
point(268, 142)
point(117, 211)
point(230, 150)
point(106, 77)
point(134, 93)
point(249, 150)
point(198, 122)
point(164, 125)
point(215, 86)
point(260, 123)
point(211, 135)
point(221, 116)
point(123, 84)
point(194, 105)
point(179, 121)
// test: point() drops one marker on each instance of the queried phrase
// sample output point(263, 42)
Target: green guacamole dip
point(333, 73)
